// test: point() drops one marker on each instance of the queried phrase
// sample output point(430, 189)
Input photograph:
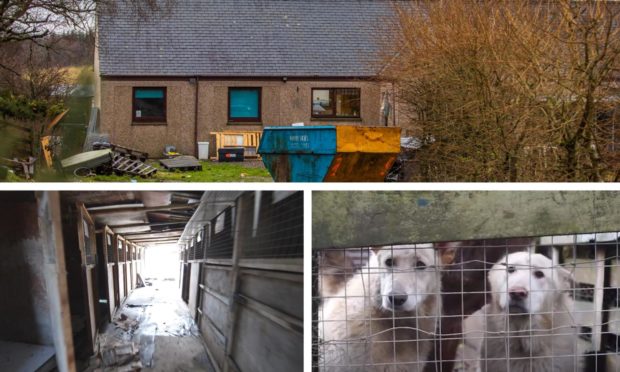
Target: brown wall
point(282, 104)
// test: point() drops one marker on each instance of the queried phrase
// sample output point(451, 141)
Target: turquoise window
point(149, 105)
point(244, 104)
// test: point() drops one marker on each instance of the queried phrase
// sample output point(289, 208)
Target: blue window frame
point(244, 104)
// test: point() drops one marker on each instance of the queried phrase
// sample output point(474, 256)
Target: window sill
point(148, 123)
point(337, 119)
point(257, 123)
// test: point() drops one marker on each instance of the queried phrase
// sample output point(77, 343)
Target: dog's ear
point(376, 249)
point(567, 279)
point(447, 251)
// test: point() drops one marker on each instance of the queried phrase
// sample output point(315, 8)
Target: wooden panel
point(128, 277)
point(217, 279)
point(121, 281)
point(111, 298)
point(216, 311)
point(362, 218)
point(215, 342)
point(50, 221)
point(262, 346)
point(89, 273)
point(282, 291)
point(193, 285)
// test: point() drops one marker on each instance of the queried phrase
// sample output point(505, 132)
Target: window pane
point(150, 104)
point(149, 93)
point(348, 102)
point(244, 103)
point(321, 103)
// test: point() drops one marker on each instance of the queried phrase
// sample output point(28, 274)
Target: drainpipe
point(394, 103)
point(197, 82)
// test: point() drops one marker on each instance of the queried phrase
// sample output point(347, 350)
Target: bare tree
point(36, 19)
point(507, 91)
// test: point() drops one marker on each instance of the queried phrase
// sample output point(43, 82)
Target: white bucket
point(203, 150)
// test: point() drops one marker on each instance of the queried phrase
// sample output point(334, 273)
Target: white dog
point(385, 318)
point(528, 325)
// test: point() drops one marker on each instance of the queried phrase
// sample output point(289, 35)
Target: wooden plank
point(50, 222)
point(344, 219)
point(232, 310)
point(171, 207)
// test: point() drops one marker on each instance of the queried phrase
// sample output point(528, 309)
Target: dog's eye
point(389, 262)
point(539, 274)
point(420, 265)
point(511, 269)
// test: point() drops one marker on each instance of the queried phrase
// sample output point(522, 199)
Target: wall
point(282, 104)
point(25, 311)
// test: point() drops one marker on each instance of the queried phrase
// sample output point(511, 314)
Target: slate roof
point(248, 38)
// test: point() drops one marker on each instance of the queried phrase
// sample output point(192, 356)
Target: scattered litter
point(139, 281)
point(97, 160)
point(138, 305)
point(126, 324)
point(122, 355)
point(170, 151)
point(122, 150)
point(23, 167)
point(109, 158)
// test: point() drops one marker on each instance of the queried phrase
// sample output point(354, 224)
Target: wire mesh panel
point(546, 303)
point(221, 244)
point(272, 224)
point(201, 241)
point(109, 245)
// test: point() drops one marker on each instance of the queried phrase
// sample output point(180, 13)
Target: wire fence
point(270, 226)
point(524, 304)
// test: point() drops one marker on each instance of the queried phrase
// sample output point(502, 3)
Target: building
point(205, 66)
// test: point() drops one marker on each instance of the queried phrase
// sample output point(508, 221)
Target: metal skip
point(329, 153)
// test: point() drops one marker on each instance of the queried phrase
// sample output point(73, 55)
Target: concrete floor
point(152, 331)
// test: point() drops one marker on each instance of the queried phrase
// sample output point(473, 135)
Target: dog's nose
point(397, 299)
point(517, 293)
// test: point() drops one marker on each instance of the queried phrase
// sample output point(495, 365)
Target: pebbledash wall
point(282, 103)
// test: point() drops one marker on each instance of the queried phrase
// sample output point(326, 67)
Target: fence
point(524, 302)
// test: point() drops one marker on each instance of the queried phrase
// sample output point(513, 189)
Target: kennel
point(242, 277)
point(471, 231)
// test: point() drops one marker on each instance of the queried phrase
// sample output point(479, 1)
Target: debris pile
point(108, 158)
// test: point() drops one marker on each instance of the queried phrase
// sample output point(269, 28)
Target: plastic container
point(203, 150)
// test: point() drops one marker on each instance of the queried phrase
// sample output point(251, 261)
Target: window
point(149, 105)
point(336, 103)
point(244, 104)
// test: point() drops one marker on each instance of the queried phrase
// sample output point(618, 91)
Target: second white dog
point(528, 324)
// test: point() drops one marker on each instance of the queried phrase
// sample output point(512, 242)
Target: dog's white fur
point(359, 327)
point(533, 333)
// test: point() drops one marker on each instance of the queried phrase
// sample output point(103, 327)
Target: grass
point(211, 172)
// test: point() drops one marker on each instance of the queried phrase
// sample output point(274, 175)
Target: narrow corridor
point(152, 331)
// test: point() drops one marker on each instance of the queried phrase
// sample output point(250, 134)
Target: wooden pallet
point(183, 163)
point(249, 140)
point(124, 151)
point(123, 164)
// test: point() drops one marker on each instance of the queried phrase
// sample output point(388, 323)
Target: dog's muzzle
point(396, 300)
point(516, 302)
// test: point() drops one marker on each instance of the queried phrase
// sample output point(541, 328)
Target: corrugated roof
point(247, 38)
